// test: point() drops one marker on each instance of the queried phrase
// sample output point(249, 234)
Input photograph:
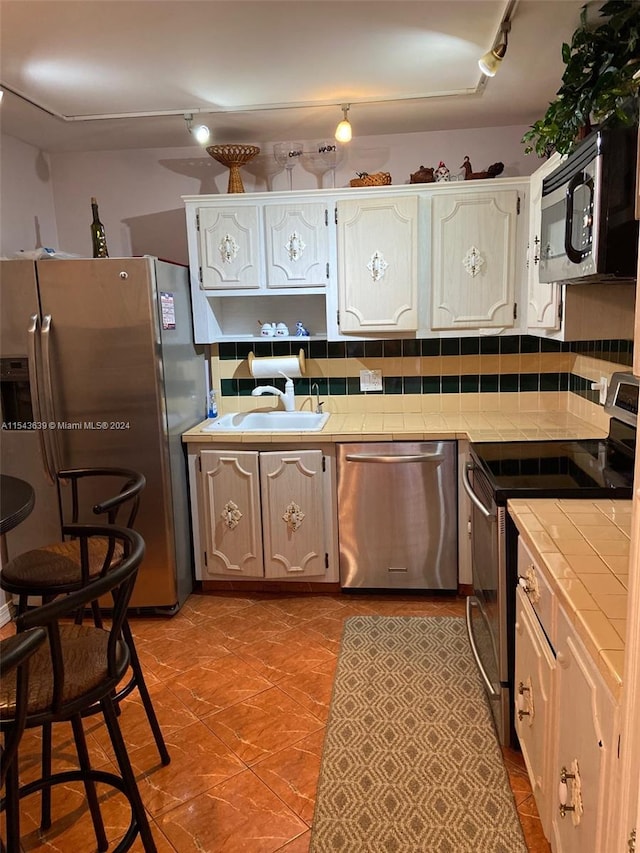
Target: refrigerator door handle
point(32, 333)
point(45, 336)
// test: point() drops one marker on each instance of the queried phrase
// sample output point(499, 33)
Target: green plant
point(598, 83)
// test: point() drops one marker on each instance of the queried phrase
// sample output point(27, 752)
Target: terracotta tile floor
point(241, 685)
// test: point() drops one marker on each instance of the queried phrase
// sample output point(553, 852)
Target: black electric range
point(583, 468)
point(499, 471)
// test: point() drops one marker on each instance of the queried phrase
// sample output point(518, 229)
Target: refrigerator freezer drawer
point(397, 515)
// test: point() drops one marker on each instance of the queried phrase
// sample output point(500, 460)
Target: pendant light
point(343, 130)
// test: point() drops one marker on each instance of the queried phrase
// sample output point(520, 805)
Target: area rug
point(411, 762)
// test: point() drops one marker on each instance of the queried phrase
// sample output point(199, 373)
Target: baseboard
point(269, 586)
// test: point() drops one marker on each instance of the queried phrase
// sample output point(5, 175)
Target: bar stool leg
point(45, 805)
point(12, 787)
point(89, 785)
point(126, 771)
point(136, 668)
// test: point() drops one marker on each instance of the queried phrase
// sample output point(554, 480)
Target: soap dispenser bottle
point(212, 406)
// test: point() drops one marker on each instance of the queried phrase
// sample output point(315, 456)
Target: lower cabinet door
point(294, 538)
point(231, 518)
point(584, 749)
point(534, 680)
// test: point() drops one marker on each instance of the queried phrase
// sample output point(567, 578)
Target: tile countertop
point(475, 426)
point(584, 546)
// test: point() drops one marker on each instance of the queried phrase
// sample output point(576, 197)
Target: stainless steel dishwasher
point(397, 515)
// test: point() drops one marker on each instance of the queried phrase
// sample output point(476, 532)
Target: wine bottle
point(98, 237)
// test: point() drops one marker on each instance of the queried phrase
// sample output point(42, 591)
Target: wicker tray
point(378, 179)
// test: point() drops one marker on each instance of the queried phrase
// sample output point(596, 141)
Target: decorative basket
point(233, 156)
point(378, 179)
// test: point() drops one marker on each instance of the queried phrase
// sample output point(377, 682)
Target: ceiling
point(256, 70)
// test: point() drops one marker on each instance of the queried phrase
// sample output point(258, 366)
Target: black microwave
point(588, 231)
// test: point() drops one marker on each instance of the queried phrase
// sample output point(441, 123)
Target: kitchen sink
point(275, 421)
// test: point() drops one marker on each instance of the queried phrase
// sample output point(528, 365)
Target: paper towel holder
point(290, 365)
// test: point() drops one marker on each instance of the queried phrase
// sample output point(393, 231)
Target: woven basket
point(378, 179)
point(233, 156)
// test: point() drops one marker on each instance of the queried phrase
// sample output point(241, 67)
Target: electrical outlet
point(371, 380)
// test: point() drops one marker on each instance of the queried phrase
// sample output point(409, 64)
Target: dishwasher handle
point(393, 459)
point(475, 500)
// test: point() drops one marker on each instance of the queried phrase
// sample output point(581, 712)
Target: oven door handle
point(472, 601)
point(475, 500)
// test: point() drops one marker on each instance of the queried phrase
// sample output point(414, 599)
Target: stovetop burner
point(582, 468)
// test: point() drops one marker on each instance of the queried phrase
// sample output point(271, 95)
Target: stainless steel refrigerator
point(98, 368)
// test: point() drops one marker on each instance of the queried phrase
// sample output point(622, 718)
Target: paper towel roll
point(268, 367)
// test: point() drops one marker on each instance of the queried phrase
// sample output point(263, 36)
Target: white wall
point(139, 191)
point(27, 215)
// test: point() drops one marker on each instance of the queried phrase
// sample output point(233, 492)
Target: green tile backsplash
point(619, 351)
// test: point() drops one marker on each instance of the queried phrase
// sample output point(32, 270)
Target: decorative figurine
point(492, 172)
point(301, 331)
point(424, 175)
point(442, 173)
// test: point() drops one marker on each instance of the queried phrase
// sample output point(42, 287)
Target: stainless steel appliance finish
point(397, 515)
point(588, 230)
point(98, 367)
point(486, 609)
point(496, 472)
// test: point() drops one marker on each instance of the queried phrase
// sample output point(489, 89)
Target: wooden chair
point(79, 668)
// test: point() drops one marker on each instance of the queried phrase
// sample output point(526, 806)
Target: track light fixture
point(201, 132)
point(343, 130)
point(490, 62)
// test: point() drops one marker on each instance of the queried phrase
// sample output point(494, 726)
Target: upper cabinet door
point(543, 310)
point(229, 248)
point(474, 251)
point(378, 264)
point(297, 242)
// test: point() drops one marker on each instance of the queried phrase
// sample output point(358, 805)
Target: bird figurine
point(492, 171)
point(301, 331)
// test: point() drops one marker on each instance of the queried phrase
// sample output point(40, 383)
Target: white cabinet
point(263, 246)
point(264, 514)
point(259, 257)
point(543, 309)
point(297, 245)
point(230, 247)
point(534, 683)
point(565, 718)
point(474, 259)
point(583, 750)
point(378, 264)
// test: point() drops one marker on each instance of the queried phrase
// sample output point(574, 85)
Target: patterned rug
point(411, 762)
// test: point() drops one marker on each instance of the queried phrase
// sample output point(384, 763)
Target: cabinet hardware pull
point(576, 793)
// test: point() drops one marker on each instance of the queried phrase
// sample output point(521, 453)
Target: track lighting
point(490, 62)
point(201, 132)
point(343, 130)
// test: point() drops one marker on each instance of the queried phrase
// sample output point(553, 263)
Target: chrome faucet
point(287, 396)
point(319, 405)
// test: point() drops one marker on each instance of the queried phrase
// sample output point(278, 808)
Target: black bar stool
point(79, 668)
